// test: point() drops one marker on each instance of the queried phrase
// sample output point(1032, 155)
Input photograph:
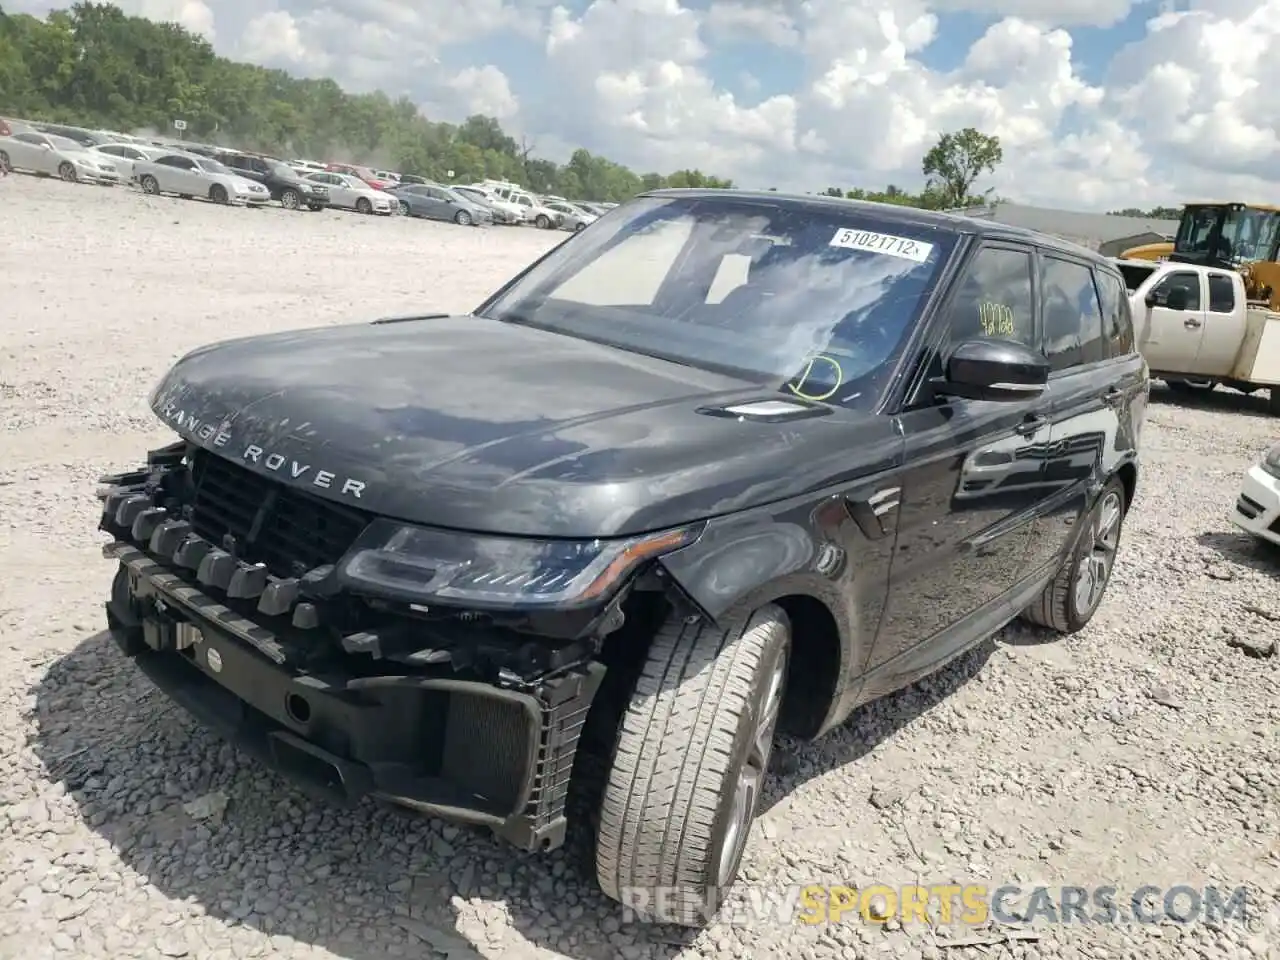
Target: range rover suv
point(726, 463)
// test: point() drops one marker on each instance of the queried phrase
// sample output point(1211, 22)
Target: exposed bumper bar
point(462, 749)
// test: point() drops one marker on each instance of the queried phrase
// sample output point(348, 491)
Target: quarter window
point(1072, 315)
point(995, 298)
point(1222, 294)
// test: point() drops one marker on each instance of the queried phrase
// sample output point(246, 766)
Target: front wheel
point(290, 200)
point(218, 193)
point(1075, 593)
point(67, 172)
point(542, 221)
point(462, 218)
point(363, 205)
point(688, 766)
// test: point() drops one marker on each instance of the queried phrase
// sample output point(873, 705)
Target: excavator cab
point(1233, 236)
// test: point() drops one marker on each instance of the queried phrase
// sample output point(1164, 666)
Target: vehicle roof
point(893, 213)
point(1231, 203)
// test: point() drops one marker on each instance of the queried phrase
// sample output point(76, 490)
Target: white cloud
point(1191, 108)
point(486, 90)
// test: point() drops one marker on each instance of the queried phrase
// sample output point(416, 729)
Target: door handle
point(1192, 323)
point(1030, 425)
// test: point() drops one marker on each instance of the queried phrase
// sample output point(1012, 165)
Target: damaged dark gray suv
point(720, 464)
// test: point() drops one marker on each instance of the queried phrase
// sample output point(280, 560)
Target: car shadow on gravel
point(795, 762)
point(367, 883)
point(1243, 549)
point(1218, 399)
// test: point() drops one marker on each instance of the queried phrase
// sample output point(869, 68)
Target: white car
point(352, 193)
point(503, 212)
point(125, 155)
point(574, 218)
point(56, 156)
point(1257, 509)
point(189, 175)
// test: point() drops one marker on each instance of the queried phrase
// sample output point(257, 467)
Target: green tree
point(955, 162)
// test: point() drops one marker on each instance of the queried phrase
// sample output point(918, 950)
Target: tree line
point(91, 65)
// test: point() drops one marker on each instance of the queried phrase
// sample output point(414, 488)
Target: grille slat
point(299, 532)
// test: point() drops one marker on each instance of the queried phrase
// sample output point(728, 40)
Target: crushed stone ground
point(1142, 751)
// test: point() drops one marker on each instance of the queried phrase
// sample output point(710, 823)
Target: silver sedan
point(55, 156)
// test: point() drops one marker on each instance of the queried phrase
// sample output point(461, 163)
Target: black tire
point(314, 207)
point(67, 172)
point(543, 221)
point(1273, 401)
point(363, 205)
point(218, 194)
point(688, 731)
point(5, 166)
point(462, 218)
point(1187, 386)
point(185, 196)
point(290, 200)
point(1060, 607)
point(579, 226)
point(150, 185)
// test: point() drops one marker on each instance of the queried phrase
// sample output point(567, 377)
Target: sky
point(1098, 104)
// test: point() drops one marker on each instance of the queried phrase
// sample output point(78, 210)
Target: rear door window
point(1072, 314)
point(1222, 293)
point(1117, 319)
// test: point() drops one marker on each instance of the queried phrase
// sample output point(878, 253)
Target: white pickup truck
point(1196, 328)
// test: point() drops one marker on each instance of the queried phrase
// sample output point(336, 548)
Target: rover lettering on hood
point(219, 436)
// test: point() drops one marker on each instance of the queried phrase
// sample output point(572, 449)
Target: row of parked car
point(221, 175)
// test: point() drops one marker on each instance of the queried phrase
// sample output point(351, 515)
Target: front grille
point(266, 521)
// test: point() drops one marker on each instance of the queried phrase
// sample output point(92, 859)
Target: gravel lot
point(1143, 750)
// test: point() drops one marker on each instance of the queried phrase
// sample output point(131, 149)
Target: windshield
point(64, 143)
point(211, 165)
point(818, 300)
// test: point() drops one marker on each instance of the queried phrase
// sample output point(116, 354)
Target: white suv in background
point(1257, 509)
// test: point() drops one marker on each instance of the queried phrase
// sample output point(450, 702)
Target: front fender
point(745, 561)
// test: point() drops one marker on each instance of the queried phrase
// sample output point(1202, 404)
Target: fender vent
point(768, 410)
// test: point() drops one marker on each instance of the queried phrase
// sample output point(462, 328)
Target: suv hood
point(474, 424)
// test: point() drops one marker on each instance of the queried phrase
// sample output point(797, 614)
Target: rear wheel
point(688, 765)
point(290, 200)
point(1075, 593)
point(363, 205)
point(150, 185)
point(543, 221)
point(67, 172)
point(218, 193)
point(462, 218)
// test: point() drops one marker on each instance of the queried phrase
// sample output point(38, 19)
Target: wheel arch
point(1128, 474)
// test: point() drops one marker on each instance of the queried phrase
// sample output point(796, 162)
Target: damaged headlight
point(417, 564)
point(1271, 462)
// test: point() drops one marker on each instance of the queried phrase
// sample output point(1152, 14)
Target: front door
point(1170, 339)
point(973, 475)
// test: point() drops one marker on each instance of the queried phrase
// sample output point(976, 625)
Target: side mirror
point(1002, 370)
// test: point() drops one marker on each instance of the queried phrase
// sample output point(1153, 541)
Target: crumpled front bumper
point(345, 727)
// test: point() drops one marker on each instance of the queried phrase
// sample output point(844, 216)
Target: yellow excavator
point(1235, 236)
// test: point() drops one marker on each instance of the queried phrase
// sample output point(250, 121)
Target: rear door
point(1170, 339)
point(1224, 325)
point(1095, 375)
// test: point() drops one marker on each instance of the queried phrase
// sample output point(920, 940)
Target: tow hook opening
point(297, 708)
